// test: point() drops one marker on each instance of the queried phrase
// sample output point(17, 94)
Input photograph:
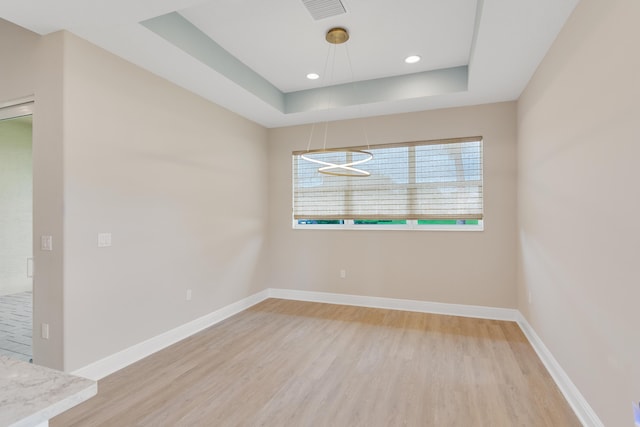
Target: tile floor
point(16, 325)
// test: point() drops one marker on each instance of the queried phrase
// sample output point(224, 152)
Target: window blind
point(417, 180)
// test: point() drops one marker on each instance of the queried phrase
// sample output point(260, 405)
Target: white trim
point(476, 311)
point(117, 361)
point(578, 403)
point(576, 400)
point(15, 109)
point(110, 364)
point(411, 225)
point(17, 101)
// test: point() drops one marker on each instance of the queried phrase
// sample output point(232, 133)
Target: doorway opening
point(16, 231)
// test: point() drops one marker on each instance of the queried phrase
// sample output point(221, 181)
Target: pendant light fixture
point(349, 158)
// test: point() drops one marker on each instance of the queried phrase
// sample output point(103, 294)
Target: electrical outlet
point(343, 273)
point(44, 331)
point(188, 294)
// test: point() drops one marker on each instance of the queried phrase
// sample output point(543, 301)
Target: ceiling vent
point(320, 9)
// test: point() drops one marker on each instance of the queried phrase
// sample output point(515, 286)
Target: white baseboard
point(476, 311)
point(110, 364)
point(576, 400)
point(578, 403)
point(117, 361)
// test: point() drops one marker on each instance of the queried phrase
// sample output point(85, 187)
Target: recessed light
point(412, 59)
point(313, 76)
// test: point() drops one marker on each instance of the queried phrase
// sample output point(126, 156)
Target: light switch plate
point(46, 243)
point(104, 240)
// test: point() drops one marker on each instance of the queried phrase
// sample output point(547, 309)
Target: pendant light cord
point(331, 57)
point(349, 167)
point(330, 50)
point(353, 93)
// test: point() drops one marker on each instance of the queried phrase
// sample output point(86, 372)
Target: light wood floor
point(290, 363)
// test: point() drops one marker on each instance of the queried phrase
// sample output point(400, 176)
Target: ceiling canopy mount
point(337, 35)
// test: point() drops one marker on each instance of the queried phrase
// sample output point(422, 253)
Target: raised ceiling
point(252, 56)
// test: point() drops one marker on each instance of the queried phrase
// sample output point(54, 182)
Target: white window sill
point(403, 227)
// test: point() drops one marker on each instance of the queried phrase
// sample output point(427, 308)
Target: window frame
point(411, 224)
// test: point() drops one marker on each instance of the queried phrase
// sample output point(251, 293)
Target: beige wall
point(579, 150)
point(48, 206)
point(179, 182)
point(152, 164)
point(475, 268)
point(32, 66)
point(120, 150)
point(16, 209)
point(19, 61)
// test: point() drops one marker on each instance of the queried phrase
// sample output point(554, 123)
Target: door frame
point(12, 110)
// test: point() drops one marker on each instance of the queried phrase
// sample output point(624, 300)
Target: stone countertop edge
point(32, 394)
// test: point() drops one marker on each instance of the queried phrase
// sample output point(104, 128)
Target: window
point(416, 185)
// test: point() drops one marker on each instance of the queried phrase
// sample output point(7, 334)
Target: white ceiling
point(382, 34)
point(252, 56)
